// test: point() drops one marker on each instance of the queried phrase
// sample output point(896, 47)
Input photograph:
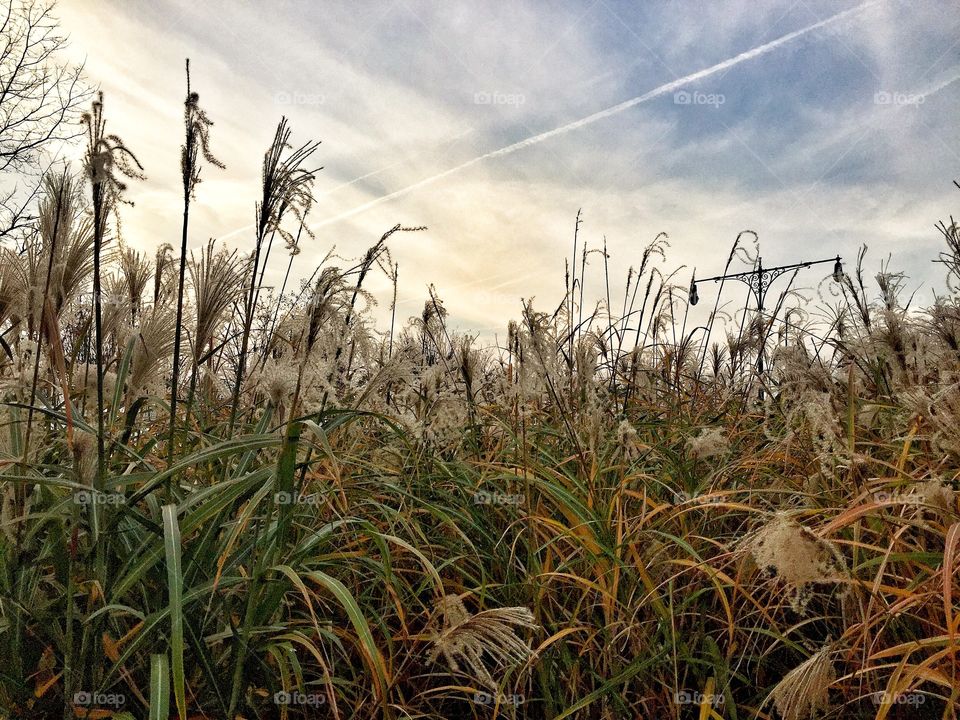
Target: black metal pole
point(761, 293)
point(759, 281)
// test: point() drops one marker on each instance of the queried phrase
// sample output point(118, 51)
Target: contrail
point(942, 85)
point(613, 110)
point(352, 182)
point(479, 282)
point(328, 192)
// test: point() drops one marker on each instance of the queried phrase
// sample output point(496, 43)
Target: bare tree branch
point(40, 101)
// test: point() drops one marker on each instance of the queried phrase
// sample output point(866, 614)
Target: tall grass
point(600, 519)
point(196, 143)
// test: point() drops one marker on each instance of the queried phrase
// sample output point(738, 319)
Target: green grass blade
point(171, 539)
point(159, 687)
point(367, 645)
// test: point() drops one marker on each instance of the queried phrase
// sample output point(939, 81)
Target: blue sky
point(842, 134)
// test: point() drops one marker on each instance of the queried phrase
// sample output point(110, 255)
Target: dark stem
point(189, 155)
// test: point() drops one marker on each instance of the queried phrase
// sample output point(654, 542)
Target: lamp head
point(838, 270)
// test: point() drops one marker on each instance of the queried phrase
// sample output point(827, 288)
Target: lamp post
point(759, 280)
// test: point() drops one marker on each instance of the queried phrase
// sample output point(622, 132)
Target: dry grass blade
point(804, 691)
point(466, 640)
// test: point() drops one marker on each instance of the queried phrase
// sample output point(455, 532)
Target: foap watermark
point(882, 496)
point(84, 698)
point(887, 97)
point(685, 97)
point(298, 97)
point(96, 497)
point(682, 497)
point(908, 698)
point(484, 698)
point(905, 497)
point(298, 698)
point(482, 497)
point(695, 697)
point(485, 298)
point(499, 98)
point(290, 498)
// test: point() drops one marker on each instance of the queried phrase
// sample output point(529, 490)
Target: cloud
point(799, 150)
point(659, 91)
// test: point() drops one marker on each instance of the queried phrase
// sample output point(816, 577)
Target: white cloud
point(390, 91)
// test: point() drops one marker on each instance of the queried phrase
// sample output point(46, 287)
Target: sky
point(820, 125)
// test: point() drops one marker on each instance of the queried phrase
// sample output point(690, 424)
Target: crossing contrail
point(942, 85)
point(352, 182)
point(601, 114)
point(328, 192)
